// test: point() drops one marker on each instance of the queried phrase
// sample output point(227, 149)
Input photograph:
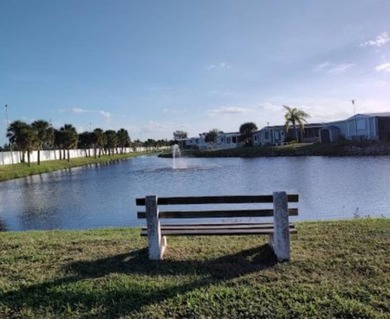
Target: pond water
point(104, 195)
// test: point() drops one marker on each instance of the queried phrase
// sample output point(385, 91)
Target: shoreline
point(13, 171)
point(340, 149)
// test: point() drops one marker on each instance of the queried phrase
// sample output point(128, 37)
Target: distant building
point(224, 141)
point(194, 143)
point(276, 135)
point(269, 135)
point(370, 126)
point(228, 140)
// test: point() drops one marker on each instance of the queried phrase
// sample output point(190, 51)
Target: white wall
point(7, 158)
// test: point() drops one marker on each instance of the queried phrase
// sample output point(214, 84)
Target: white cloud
point(322, 67)
point(385, 67)
point(378, 41)
point(105, 114)
point(340, 68)
point(229, 110)
point(221, 65)
point(78, 110)
point(380, 84)
point(174, 111)
point(332, 68)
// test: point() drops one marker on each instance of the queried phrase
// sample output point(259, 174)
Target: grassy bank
point(338, 270)
point(21, 170)
point(342, 148)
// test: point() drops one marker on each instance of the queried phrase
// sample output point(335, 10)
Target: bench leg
point(156, 243)
point(271, 240)
point(281, 227)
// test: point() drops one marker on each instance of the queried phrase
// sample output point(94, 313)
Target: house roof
point(382, 114)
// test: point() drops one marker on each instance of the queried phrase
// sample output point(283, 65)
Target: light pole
point(10, 145)
point(354, 114)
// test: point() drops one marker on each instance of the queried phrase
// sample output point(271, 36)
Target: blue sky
point(153, 67)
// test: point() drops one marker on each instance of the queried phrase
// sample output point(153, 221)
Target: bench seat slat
point(210, 232)
point(218, 226)
point(219, 213)
point(291, 198)
point(217, 229)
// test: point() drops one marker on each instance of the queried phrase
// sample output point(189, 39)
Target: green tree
point(111, 141)
point(211, 136)
point(295, 117)
point(15, 137)
point(99, 140)
point(70, 138)
point(179, 134)
point(85, 142)
point(45, 134)
point(123, 139)
point(246, 130)
point(14, 132)
point(59, 141)
point(29, 141)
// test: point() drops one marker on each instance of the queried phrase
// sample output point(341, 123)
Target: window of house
point(361, 124)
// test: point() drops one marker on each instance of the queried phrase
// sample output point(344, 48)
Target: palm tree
point(86, 142)
point(246, 131)
point(293, 117)
point(70, 137)
point(111, 141)
point(29, 141)
point(14, 135)
point(59, 141)
point(123, 139)
point(99, 140)
point(14, 130)
point(45, 134)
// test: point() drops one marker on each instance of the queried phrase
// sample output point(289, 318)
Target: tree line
point(41, 135)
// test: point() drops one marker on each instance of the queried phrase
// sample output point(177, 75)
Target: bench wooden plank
point(219, 213)
point(223, 225)
point(219, 226)
point(210, 232)
point(202, 229)
point(291, 198)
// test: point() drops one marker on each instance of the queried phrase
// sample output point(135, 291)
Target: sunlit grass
point(21, 170)
point(339, 269)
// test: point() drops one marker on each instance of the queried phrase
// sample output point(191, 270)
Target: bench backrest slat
point(292, 198)
point(219, 213)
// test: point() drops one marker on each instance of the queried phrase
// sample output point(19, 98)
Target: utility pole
point(10, 145)
point(354, 114)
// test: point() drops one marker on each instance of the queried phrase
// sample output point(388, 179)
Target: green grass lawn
point(21, 170)
point(338, 270)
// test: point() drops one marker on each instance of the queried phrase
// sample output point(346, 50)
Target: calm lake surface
point(104, 195)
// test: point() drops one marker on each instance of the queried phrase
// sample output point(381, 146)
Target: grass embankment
point(21, 170)
point(338, 270)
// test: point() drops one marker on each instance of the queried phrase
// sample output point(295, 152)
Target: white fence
point(7, 158)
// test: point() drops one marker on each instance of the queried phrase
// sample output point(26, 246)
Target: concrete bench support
point(281, 238)
point(156, 243)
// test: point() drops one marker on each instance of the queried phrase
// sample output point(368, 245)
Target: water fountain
point(175, 154)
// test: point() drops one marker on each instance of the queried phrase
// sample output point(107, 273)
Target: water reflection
point(104, 195)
